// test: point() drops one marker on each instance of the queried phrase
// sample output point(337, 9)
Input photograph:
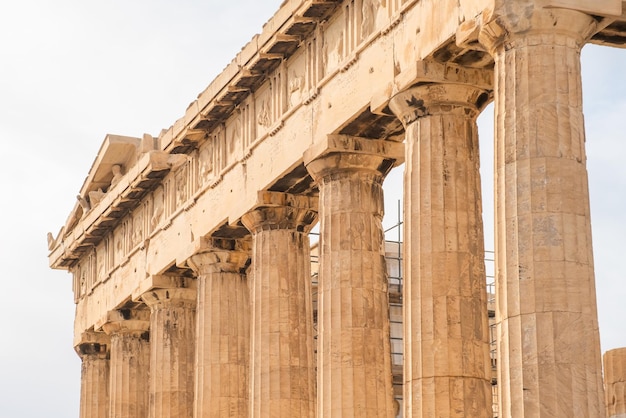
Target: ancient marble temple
point(190, 252)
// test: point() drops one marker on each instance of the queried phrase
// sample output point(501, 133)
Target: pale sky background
point(72, 71)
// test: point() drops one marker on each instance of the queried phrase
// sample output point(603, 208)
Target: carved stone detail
point(282, 381)
point(369, 14)
point(353, 302)
point(172, 350)
point(182, 186)
point(546, 308)
point(206, 163)
point(445, 306)
point(118, 174)
point(94, 375)
point(223, 320)
point(296, 85)
point(129, 364)
point(264, 118)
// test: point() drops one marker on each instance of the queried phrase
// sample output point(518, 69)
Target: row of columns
point(253, 325)
point(131, 377)
point(253, 333)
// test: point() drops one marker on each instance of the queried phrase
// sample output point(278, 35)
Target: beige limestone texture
point(282, 366)
point(94, 375)
point(129, 364)
point(222, 329)
point(615, 382)
point(354, 358)
point(313, 89)
point(447, 368)
point(172, 351)
point(548, 340)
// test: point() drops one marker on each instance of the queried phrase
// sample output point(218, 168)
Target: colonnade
point(240, 341)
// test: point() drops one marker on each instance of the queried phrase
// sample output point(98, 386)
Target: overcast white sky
point(72, 71)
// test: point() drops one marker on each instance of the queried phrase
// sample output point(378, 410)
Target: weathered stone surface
point(172, 351)
point(222, 330)
point(94, 375)
point(282, 369)
point(548, 342)
point(447, 367)
point(354, 358)
point(129, 364)
point(304, 109)
point(615, 382)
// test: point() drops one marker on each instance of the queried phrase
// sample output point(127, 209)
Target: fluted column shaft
point(353, 360)
point(222, 330)
point(94, 378)
point(548, 340)
point(172, 350)
point(282, 366)
point(129, 365)
point(447, 370)
point(615, 382)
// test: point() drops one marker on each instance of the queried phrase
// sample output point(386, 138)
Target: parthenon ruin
point(198, 292)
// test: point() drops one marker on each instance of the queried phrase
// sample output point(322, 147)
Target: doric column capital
point(344, 153)
point(170, 297)
point(515, 23)
point(215, 255)
point(277, 210)
point(434, 98)
point(127, 321)
point(93, 343)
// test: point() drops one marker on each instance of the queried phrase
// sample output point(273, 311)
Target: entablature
point(279, 40)
point(91, 220)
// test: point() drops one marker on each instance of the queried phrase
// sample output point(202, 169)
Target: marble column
point(282, 365)
point(94, 375)
point(353, 359)
point(222, 329)
point(129, 364)
point(172, 350)
point(548, 340)
point(615, 382)
point(447, 370)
